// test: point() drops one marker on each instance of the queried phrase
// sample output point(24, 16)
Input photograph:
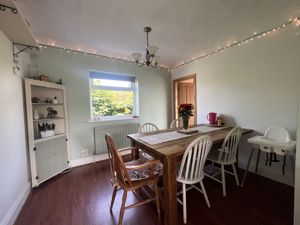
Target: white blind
point(111, 76)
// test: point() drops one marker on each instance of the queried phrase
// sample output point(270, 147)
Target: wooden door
point(185, 92)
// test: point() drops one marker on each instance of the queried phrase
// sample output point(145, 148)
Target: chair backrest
point(148, 127)
point(230, 146)
point(194, 157)
point(177, 123)
point(117, 163)
point(109, 144)
point(277, 133)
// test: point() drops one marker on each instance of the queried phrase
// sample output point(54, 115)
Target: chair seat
point(147, 157)
point(141, 174)
point(135, 162)
point(190, 181)
point(213, 156)
point(140, 183)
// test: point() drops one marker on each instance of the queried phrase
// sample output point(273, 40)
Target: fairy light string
point(239, 43)
point(295, 21)
point(82, 52)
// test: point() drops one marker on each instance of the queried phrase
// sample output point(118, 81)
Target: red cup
point(212, 117)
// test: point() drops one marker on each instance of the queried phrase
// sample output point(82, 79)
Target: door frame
point(187, 77)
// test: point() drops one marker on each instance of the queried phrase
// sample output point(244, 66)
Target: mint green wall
point(154, 91)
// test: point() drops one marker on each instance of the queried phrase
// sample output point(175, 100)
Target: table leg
point(283, 165)
point(134, 152)
point(170, 191)
point(257, 160)
point(292, 158)
point(247, 167)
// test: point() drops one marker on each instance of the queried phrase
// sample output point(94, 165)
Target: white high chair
point(276, 141)
point(278, 135)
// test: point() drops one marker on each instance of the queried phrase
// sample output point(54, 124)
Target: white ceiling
point(19, 32)
point(181, 29)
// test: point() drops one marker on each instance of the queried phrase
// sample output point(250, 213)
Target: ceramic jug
point(211, 117)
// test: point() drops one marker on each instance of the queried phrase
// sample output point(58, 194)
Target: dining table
point(169, 146)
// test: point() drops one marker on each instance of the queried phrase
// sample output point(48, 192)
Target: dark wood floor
point(82, 197)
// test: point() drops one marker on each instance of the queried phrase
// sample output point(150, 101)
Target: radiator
point(118, 132)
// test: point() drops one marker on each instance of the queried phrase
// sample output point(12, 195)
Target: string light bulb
point(255, 35)
point(78, 51)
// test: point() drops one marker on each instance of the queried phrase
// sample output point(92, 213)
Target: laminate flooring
point(82, 197)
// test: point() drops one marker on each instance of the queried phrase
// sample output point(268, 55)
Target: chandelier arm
point(140, 64)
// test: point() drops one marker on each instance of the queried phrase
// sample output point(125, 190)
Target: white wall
point(14, 175)
point(254, 85)
point(154, 91)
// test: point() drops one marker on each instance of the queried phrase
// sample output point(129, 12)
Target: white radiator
point(119, 134)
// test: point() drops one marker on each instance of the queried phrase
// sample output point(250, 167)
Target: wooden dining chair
point(226, 156)
point(111, 162)
point(147, 128)
point(177, 123)
point(131, 176)
point(191, 169)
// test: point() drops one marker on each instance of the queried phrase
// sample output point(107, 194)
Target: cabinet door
point(51, 158)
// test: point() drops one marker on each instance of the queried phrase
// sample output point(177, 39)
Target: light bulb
point(156, 60)
point(136, 56)
point(152, 49)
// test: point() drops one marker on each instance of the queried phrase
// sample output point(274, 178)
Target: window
point(113, 96)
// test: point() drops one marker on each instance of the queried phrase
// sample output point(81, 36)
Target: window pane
point(111, 83)
point(112, 103)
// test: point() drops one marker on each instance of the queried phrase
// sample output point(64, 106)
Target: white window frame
point(116, 77)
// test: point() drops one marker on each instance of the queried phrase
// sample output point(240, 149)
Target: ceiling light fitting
point(150, 58)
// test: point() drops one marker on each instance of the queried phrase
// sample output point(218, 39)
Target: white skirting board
point(92, 158)
point(16, 207)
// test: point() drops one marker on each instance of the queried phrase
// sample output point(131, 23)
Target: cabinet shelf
point(39, 140)
point(44, 104)
point(48, 119)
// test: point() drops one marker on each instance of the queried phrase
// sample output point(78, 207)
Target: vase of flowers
point(185, 111)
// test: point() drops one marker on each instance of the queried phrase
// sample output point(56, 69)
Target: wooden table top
point(178, 146)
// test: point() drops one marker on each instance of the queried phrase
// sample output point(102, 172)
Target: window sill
point(115, 120)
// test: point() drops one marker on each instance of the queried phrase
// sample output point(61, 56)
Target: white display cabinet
point(47, 123)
